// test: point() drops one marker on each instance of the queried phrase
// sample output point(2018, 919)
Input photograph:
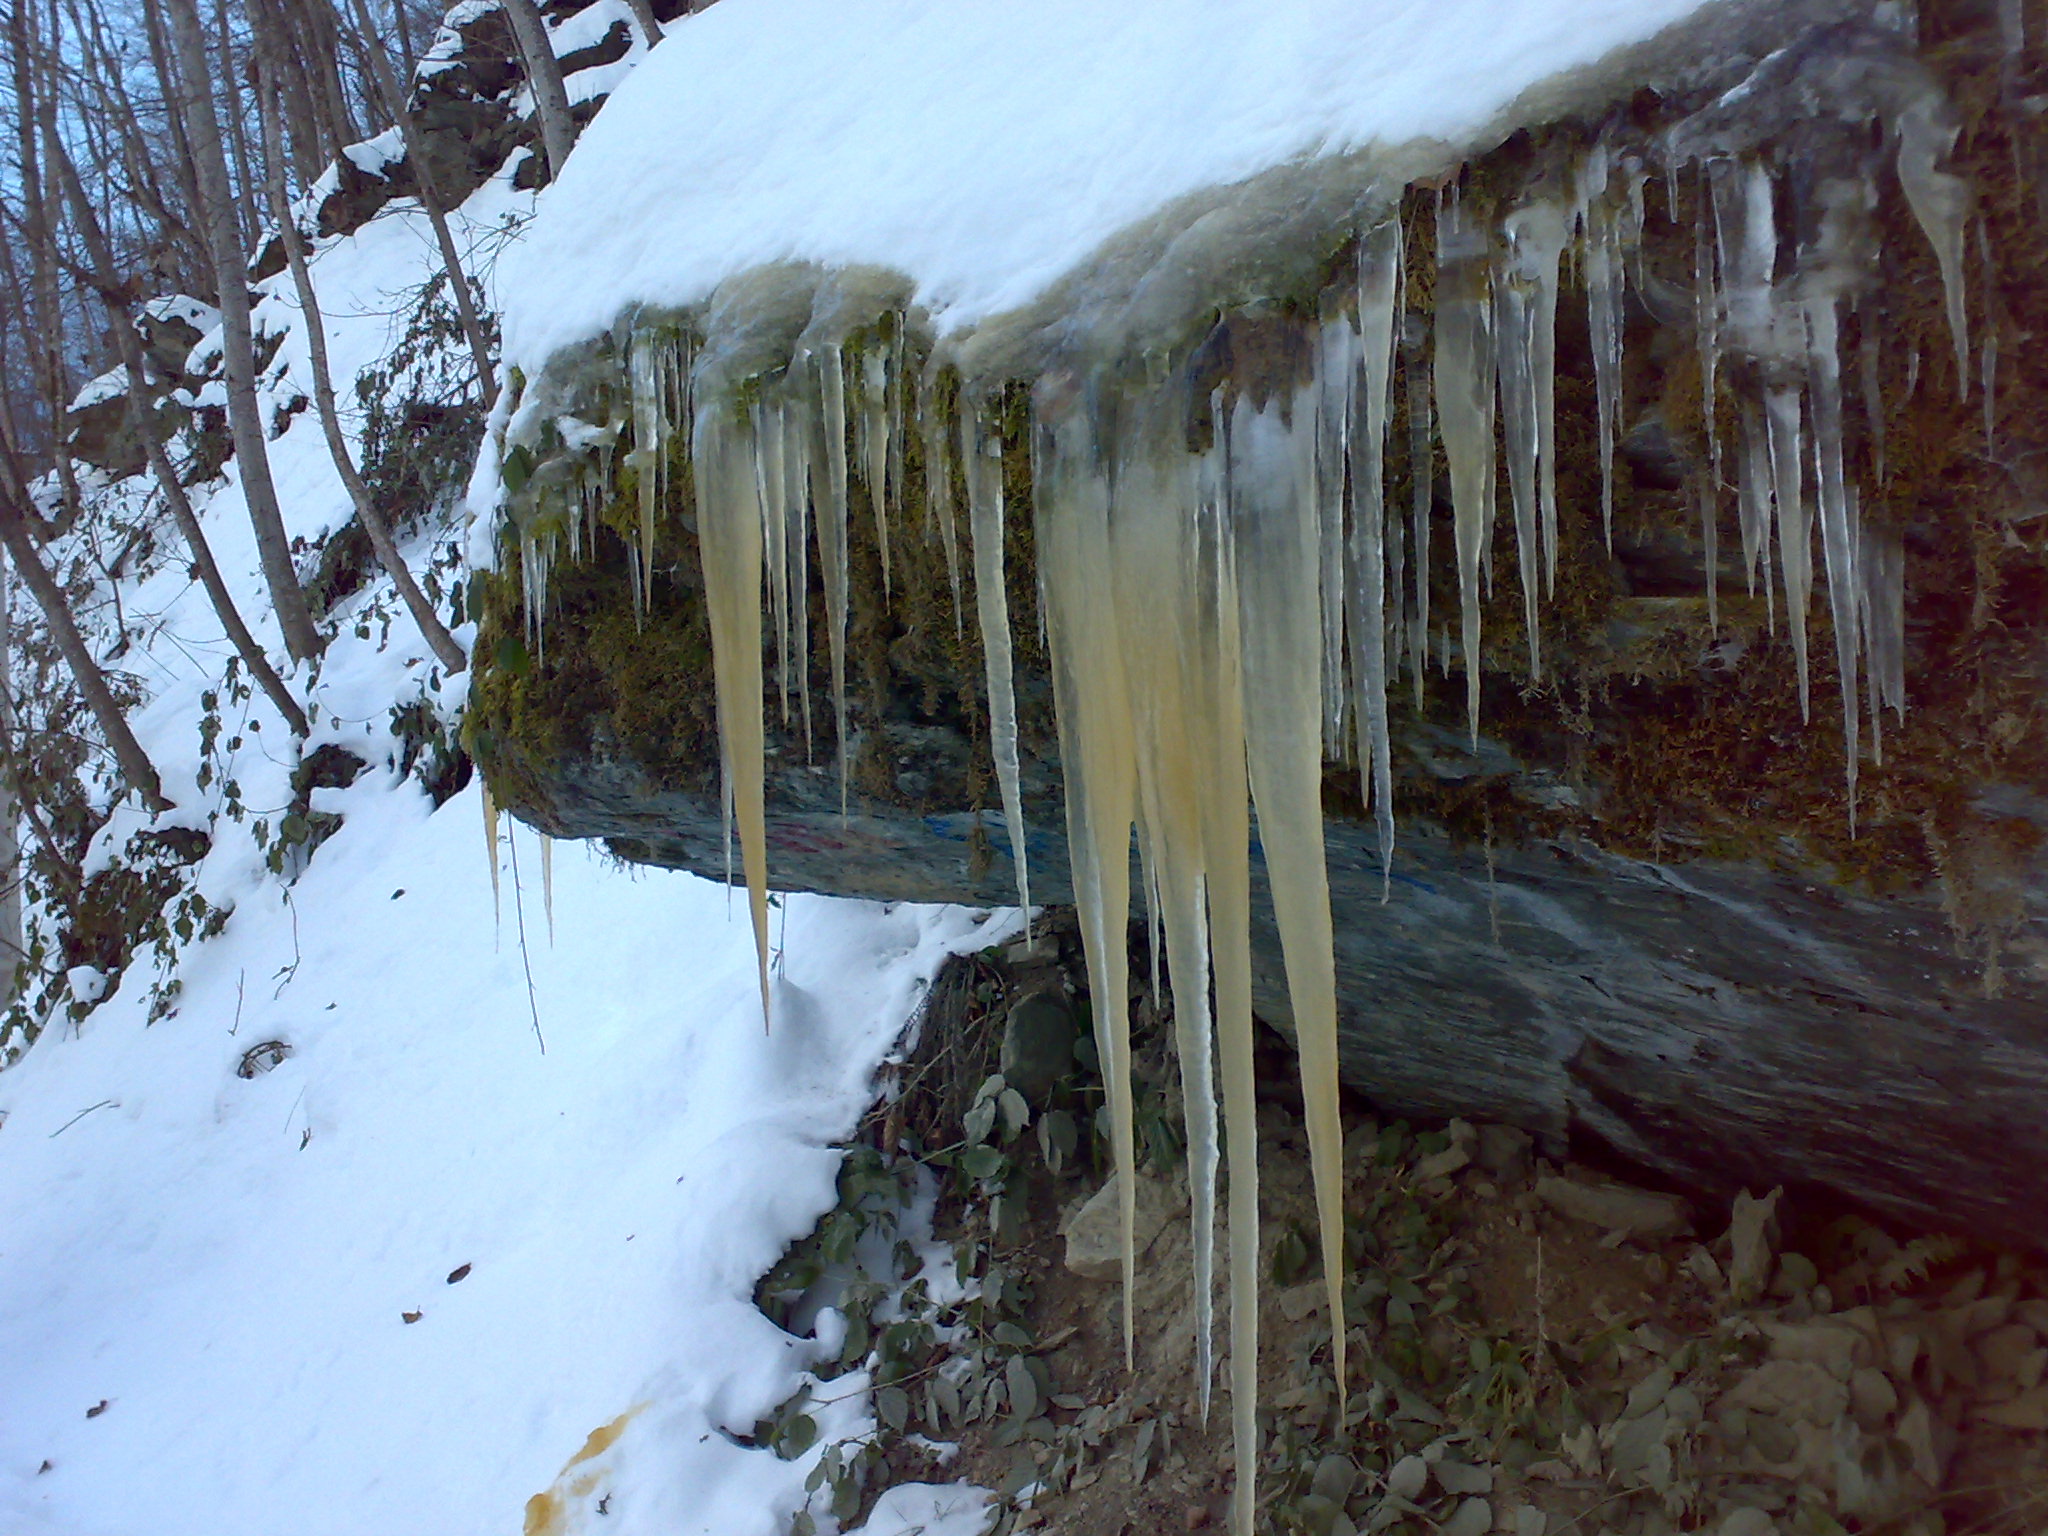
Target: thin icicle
point(832, 550)
point(1379, 268)
point(772, 487)
point(1600, 222)
point(1940, 201)
point(875, 438)
point(1869, 370)
point(1837, 530)
point(491, 846)
point(1782, 413)
point(1525, 298)
point(938, 493)
point(982, 452)
point(1422, 475)
point(796, 496)
point(1336, 374)
point(547, 882)
point(1464, 402)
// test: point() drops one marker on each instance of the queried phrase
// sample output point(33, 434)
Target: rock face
point(1635, 912)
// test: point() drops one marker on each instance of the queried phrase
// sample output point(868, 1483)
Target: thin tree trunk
point(436, 633)
point(396, 104)
point(247, 221)
point(650, 25)
point(135, 765)
point(12, 949)
point(544, 74)
point(183, 160)
point(203, 566)
point(216, 214)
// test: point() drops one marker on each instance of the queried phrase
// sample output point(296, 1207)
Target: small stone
point(1441, 1165)
point(1798, 1389)
point(1094, 1233)
point(1749, 1244)
point(1038, 1044)
point(1503, 1150)
point(1748, 1522)
point(1463, 1477)
point(1408, 1477)
point(1832, 1347)
point(1474, 1517)
point(1638, 1213)
point(1797, 1274)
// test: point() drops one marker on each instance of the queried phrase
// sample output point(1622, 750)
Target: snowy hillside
point(302, 1229)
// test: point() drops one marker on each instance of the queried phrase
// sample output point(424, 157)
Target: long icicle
point(982, 451)
point(1464, 404)
point(832, 552)
point(722, 460)
point(1379, 269)
point(1274, 531)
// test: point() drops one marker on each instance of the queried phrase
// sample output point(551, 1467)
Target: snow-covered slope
point(229, 1304)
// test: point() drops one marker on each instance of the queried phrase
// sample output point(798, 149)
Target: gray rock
point(1094, 1233)
point(1749, 1244)
point(1503, 1150)
point(1038, 1043)
point(1798, 1389)
point(1616, 1207)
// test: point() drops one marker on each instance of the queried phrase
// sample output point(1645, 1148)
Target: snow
point(987, 150)
point(227, 1262)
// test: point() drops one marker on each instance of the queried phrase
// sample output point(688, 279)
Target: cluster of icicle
point(1225, 590)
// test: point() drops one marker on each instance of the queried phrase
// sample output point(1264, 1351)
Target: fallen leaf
point(96, 1409)
point(460, 1272)
point(412, 1317)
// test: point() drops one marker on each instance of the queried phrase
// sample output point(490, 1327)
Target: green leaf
point(796, 1436)
point(892, 1407)
point(1016, 1113)
point(982, 1162)
point(979, 1121)
point(1023, 1390)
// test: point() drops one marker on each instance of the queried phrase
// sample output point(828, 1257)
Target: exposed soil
point(1641, 1366)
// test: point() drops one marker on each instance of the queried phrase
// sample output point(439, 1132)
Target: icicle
point(649, 455)
point(1882, 565)
point(1600, 223)
point(832, 555)
point(1837, 531)
point(547, 882)
point(773, 489)
point(938, 494)
point(1094, 714)
point(1270, 470)
point(1379, 270)
point(875, 435)
point(796, 495)
point(1988, 350)
point(1707, 339)
point(1464, 401)
point(982, 452)
point(1753, 499)
point(723, 456)
point(1869, 364)
point(1336, 372)
point(1422, 475)
point(1941, 204)
point(1795, 540)
point(491, 845)
point(1525, 299)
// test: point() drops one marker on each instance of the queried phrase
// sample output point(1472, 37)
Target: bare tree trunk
point(230, 97)
point(203, 566)
point(430, 199)
point(650, 25)
point(544, 74)
point(216, 216)
point(12, 949)
point(436, 633)
point(135, 765)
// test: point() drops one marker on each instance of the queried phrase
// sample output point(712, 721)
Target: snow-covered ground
point(206, 1279)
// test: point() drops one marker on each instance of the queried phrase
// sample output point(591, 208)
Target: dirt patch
point(1512, 1367)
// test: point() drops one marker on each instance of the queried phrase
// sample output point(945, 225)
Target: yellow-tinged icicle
point(491, 845)
point(722, 460)
point(1275, 540)
point(1094, 713)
